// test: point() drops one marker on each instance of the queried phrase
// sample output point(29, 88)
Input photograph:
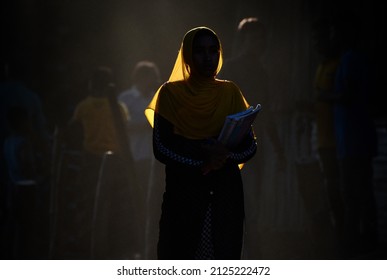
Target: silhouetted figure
point(247, 70)
point(355, 138)
point(26, 177)
point(19, 148)
point(25, 156)
point(203, 205)
point(95, 115)
point(145, 79)
point(324, 84)
point(108, 186)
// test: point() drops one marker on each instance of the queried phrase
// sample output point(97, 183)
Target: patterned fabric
point(240, 156)
point(206, 247)
point(167, 153)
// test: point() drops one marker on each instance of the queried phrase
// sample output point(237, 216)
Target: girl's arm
point(169, 147)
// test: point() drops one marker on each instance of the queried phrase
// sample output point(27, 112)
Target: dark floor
point(70, 238)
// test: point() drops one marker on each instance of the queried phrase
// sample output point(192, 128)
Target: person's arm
point(245, 150)
point(205, 154)
point(171, 148)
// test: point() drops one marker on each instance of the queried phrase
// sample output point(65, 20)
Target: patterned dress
point(202, 215)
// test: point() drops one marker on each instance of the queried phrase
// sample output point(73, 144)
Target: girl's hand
point(217, 156)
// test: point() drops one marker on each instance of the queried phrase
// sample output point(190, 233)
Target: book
point(236, 126)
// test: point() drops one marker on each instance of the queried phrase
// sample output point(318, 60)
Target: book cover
point(236, 126)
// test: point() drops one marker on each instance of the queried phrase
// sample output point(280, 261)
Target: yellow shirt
point(100, 133)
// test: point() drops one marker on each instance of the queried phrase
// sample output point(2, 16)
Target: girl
point(202, 211)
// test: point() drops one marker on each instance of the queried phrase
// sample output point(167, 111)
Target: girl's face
point(205, 56)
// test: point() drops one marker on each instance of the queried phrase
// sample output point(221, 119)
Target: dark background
point(56, 44)
point(53, 46)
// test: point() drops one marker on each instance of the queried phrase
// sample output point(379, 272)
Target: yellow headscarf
point(196, 107)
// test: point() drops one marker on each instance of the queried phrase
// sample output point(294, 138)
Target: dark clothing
point(360, 218)
point(356, 140)
point(191, 196)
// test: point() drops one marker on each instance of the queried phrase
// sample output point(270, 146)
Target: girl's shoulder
point(173, 88)
point(173, 85)
point(229, 86)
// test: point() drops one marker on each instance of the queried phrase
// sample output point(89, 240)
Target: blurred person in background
point(246, 68)
point(145, 79)
point(25, 154)
point(108, 184)
point(356, 139)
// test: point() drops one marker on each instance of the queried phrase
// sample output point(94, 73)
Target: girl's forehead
point(205, 39)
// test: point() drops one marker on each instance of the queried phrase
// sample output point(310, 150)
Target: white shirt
point(140, 132)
